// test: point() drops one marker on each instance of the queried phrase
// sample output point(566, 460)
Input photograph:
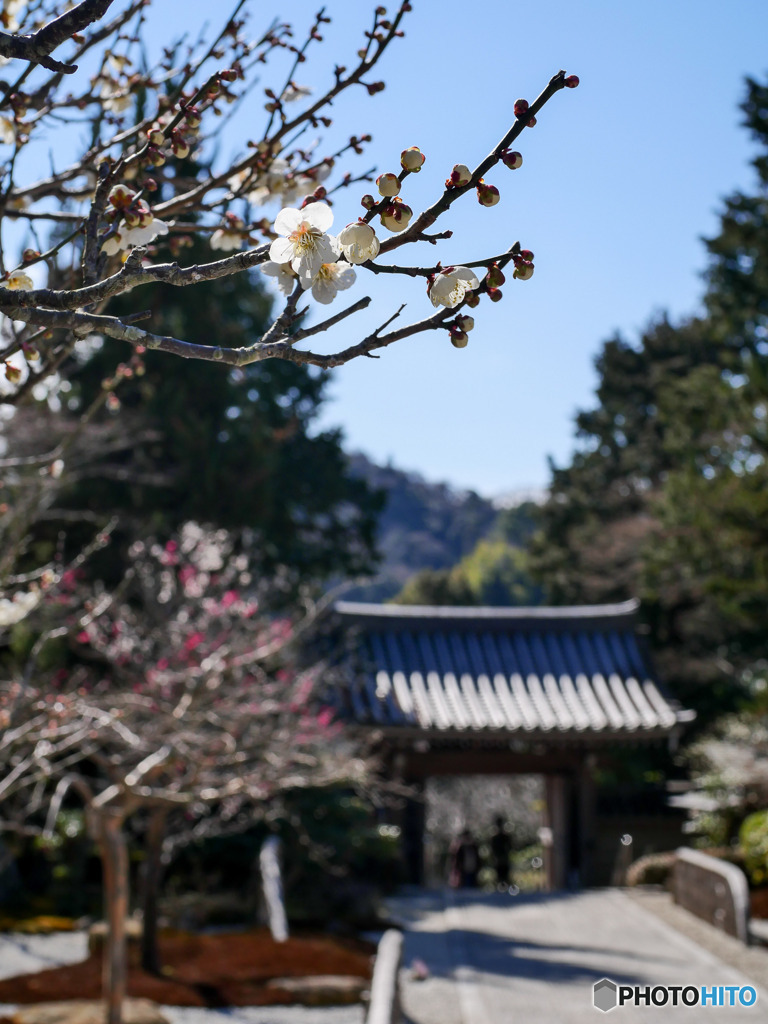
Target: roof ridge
point(468, 612)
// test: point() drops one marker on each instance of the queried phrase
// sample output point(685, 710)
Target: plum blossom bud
point(358, 242)
point(192, 117)
point(460, 175)
point(494, 278)
point(512, 159)
point(31, 353)
point(19, 103)
point(155, 157)
point(155, 135)
point(412, 159)
point(229, 75)
point(12, 373)
point(523, 272)
point(521, 106)
point(487, 195)
point(120, 196)
point(388, 185)
point(465, 322)
point(396, 215)
point(472, 299)
point(571, 81)
point(525, 254)
point(459, 338)
point(113, 402)
point(368, 202)
point(179, 145)
point(494, 294)
point(29, 255)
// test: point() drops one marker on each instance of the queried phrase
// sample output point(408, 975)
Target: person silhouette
point(501, 848)
point(465, 861)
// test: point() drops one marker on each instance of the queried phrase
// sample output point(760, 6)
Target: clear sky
point(621, 179)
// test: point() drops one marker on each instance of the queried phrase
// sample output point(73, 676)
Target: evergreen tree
point(666, 497)
point(598, 514)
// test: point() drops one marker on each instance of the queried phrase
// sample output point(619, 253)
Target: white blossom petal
point(317, 215)
point(288, 221)
point(323, 290)
point(345, 277)
point(281, 250)
point(286, 278)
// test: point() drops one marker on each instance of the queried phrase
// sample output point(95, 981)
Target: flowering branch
point(150, 181)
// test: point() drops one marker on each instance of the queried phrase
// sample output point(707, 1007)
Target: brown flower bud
point(495, 278)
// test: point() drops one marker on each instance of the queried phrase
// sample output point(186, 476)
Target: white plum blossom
point(305, 244)
point(449, 288)
point(7, 131)
point(332, 278)
point(9, 14)
point(229, 237)
point(126, 238)
point(279, 182)
point(359, 242)
point(295, 92)
point(286, 278)
point(275, 183)
point(114, 96)
point(18, 607)
point(18, 280)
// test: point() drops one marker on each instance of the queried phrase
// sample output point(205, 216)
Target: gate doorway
point(453, 803)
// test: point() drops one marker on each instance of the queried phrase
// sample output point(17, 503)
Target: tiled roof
point(577, 672)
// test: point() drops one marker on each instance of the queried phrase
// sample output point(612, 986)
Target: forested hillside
point(440, 545)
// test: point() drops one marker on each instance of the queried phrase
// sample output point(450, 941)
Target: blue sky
point(621, 179)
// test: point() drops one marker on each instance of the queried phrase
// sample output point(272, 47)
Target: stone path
point(497, 959)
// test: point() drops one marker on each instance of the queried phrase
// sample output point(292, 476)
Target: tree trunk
point(114, 855)
point(153, 873)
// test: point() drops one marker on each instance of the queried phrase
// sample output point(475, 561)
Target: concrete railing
point(714, 890)
point(384, 1007)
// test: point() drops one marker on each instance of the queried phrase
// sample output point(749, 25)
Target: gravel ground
point(23, 954)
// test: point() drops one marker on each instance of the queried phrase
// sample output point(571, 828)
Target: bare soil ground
point(233, 969)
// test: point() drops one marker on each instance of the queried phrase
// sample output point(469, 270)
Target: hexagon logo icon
point(604, 995)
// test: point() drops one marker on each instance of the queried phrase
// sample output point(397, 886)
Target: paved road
point(497, 959)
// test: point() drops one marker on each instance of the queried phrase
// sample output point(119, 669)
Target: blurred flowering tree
point(132, 190)
point(175, 692)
